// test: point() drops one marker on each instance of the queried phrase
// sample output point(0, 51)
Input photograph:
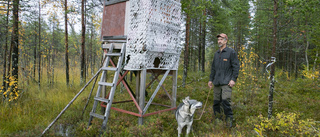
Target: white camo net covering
point(153, 34)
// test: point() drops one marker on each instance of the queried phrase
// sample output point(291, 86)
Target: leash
point(204, 105)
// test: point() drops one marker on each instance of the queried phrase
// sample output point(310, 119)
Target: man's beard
point(220, 45)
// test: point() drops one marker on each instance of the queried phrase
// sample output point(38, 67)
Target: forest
point(49, 49)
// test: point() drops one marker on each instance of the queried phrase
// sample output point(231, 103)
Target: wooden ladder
point(113, 44)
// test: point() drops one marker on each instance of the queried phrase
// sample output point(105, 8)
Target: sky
point(50, 8)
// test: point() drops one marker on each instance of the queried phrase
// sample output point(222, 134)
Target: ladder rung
point(97, 115)
point(119, 37)
point(102, 99)
point(116, 41)
point(115, 46)
point(109, 68)
point(105, 84)
point(113, 54)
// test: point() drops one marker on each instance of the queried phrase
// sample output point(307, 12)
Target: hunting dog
point(184, 114)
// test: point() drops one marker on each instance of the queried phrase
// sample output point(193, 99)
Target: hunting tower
point(146, 35)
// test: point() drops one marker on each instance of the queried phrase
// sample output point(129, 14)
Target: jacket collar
point(224, 50)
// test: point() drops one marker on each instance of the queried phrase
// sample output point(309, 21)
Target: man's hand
point(231, 83)
point(210, 84)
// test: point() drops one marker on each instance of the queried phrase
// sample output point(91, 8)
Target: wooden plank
point(137, 85)
point(174, 88)
point(142, 91)
point(102, 99)
point(160, 111)
point(105, 84)
point(109, 68)
point(126, 111)
point(108, 45)
point(114, 54)
point(164, 90)
point(115, 41)
point(160, 71)
point(113, 20)
point(156, 91)
point(96, 115)
point(120, 37)
point(110, 2)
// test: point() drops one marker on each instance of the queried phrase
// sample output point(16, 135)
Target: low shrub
point(285, 124)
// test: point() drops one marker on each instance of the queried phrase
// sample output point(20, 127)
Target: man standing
point(224, 73)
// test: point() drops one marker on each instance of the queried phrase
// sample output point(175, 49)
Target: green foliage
point(297, 32)
point(285, 124)
point(240, 20)
point(249, 105)
point(38, 105)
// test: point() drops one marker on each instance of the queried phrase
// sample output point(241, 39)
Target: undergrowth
point(295, 109)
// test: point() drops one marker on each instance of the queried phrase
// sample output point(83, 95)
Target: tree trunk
point(90, 54)
point(315, 63)
point(83, 38)
point(66, 41)
point(271, 89)
point(5, 76)
point(238, 45)
point(49, 64)
point(15, 46)
point(200, 45)
point(52, 55)
point(192, 51)
point(306, 55)
point(186, 51)
point(35, 56)
point(10, 63)
point(203, 41)
point(295, 61)
point(306, 41)
point(39, 51)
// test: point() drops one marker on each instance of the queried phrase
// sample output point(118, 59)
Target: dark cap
point(222, 35)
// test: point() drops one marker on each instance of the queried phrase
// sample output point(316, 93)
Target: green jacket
point(225, 67)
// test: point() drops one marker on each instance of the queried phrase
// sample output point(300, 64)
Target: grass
point(38, 106)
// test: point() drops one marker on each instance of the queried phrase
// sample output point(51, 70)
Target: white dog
point(184, 114)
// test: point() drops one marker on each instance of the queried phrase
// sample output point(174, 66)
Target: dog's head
point(191, 105)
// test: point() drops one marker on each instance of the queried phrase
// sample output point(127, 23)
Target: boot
point(229, 122)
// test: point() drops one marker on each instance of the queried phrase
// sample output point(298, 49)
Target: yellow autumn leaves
point(11, 93)
point(285, 123)
point(248, 72)
point(310, 74)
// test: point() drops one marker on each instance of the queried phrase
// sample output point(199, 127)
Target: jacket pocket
point(226, 63)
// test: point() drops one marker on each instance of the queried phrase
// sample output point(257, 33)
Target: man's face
point(222, 41)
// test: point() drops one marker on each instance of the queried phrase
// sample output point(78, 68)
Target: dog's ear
point(185, 101)
point(187, 98)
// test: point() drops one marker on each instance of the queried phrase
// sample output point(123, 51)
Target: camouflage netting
point(153, 34)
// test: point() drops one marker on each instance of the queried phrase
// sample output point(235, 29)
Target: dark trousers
point(222, 97)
